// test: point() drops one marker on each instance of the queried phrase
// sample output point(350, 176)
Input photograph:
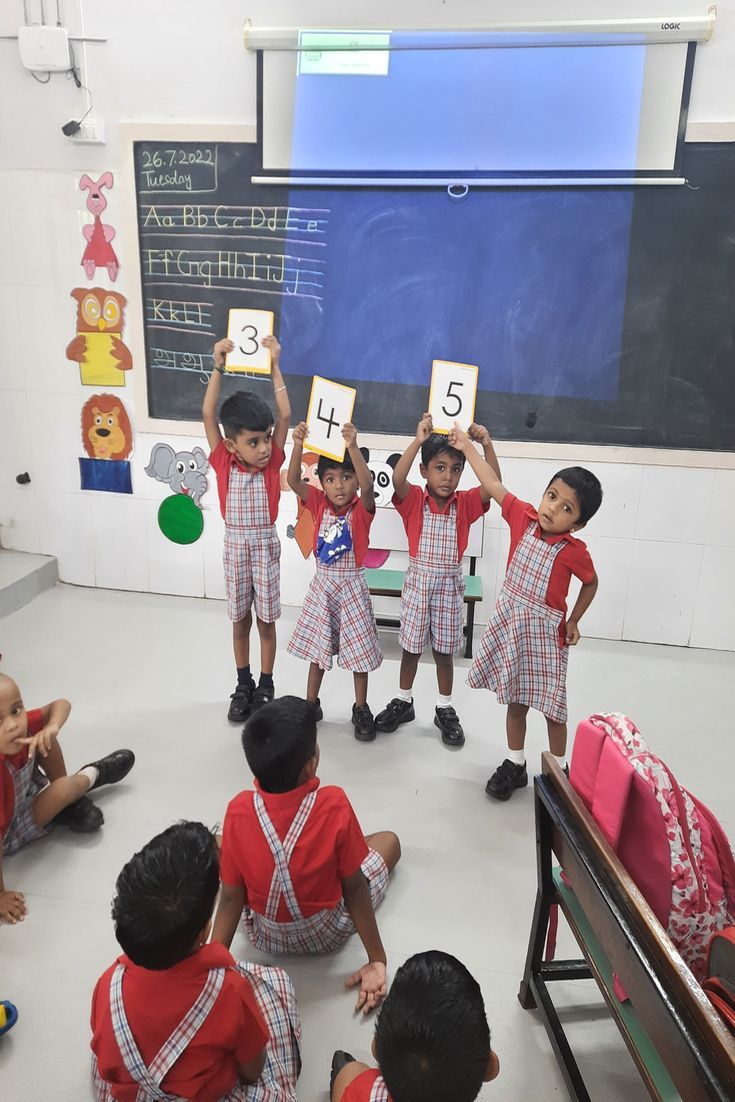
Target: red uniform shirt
point(7, 792)
point(574, 558)
point(331, 847)
point(222, 463)
point(361, 520)
point(155, 1003)
point(360, 1089)
point(470, 507)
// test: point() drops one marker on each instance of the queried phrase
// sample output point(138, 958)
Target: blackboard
point(602, 316)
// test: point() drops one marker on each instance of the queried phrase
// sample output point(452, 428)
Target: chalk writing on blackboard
point(236, 269)
point(175, 169)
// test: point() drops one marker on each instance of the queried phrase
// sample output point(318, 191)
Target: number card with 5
point(452, 395)
point(246, 329)
point(330, 407)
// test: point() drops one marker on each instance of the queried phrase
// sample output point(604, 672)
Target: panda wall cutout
point(381, 467)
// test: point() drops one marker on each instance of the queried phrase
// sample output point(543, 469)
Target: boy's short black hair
point(437, 443)
point(432, 1040)
point(326, 464)
point(278, 740)
point(165, 895)
point(244, 411)
point(587, 488)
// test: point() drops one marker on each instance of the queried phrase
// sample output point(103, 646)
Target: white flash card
point(246, 329)
point(452, 395)
point(330, 407)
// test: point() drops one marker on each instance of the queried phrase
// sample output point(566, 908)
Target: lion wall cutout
point(107, 438)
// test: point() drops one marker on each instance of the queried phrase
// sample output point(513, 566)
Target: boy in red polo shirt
point(294, 858)
point(524, 652)
point(177, 1017)
point(247, 462)
point(35, 790)
point(432, 1040)
point(437, 519)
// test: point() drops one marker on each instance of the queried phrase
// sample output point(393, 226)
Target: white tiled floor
point(154, 673)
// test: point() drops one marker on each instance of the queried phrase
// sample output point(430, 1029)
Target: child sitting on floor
point(432, 1040)
point(294, 856)
point(35, 795)
point(175, 1017)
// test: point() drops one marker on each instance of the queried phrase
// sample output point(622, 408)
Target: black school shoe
point(447, 720)
point(396, 712)
point(262, 695)
point(83, 817)
point(363, 722)
point(339, 1060)
point(112, 768)
point(506, 778)
point(241, 701)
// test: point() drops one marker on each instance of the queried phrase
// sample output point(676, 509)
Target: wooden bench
point(679, 1044)
point(389, 583)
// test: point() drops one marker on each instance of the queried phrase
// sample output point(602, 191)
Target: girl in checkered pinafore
point(524, 652)
point(337, 616)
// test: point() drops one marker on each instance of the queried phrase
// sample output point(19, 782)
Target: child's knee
point(266, 629)
point(241, 628)
point(517, 711)
point(446, 661)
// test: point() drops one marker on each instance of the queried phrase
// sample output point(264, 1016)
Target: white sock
point(518, 757)
point(90, 771)
point(405, 694)
point(561, 761)
point(444, 701)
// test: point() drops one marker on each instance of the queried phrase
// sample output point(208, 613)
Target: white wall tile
point(621, 487)
point(120, 541)
point(18, 507)
point(487, 568)
point(12, 374)
point(528, 478)
point(65, 530)
point(212, 543)
point(664, 579)
point(674, 504)
point(612, 558)
point(46, 367)
point(714, 617)
point(173, 567)
point(17, 450)
point(721, 526)
point(56, 435)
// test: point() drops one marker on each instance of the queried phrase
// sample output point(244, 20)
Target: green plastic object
point(180, 520)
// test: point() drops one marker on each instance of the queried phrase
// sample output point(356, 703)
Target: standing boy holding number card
point(437, 520)
point(247, 461)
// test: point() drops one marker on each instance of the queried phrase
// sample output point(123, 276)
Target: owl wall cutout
point(107, 438)
point(98, 347)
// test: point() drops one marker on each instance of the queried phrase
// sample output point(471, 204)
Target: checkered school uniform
point(433, 592)
point(379, 1093)
point(369, 1086)
point(520, 657)
point(337, 615)
point(28, 781)
point(322, 932)
point(252, 550)
point(276, 1001)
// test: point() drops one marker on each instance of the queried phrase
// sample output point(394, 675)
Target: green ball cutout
point(180, 520)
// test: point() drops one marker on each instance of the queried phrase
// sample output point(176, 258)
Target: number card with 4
point(246, 329)
point(452, 395)
point(330, 407)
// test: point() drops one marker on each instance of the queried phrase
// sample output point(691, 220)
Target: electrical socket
point(91, 132)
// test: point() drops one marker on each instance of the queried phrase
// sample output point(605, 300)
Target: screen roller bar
point(459, 188)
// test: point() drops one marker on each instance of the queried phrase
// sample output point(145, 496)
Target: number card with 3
point(246, 329)
point(330, 407)
point(452, 395)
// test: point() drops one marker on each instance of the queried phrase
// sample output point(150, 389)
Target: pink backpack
point(671, 844)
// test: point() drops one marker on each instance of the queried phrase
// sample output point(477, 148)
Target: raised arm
point(364, 478)
point(295, 481)
point(283, 406)
point(403, 466)
point(490, 484)
point(481, 436)
point(211, 394)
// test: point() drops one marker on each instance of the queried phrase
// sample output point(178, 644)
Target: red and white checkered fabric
point(519, 657)
point(337, 616)
point(252, 550)
point(379, 1093)
point(432, 601)
point(28, 781)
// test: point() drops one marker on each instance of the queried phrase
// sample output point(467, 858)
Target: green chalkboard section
point(602, 316)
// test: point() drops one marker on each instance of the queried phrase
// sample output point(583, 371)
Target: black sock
point(266, 680)
point(243, 675)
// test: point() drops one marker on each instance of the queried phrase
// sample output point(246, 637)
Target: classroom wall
point(664, 544)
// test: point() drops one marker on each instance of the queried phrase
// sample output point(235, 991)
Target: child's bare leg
point(241, 640)
point(267, 633)
point(53, 764)
point(58, 795)
point(444, 672)
point(386, 843)
point(344, 1078)
point(409, 665)
point(314, 682)
point(557, 737)
point(515, 726)
point(361, 688)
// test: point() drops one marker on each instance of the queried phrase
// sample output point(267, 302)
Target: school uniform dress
point(367, 1087)
point(523, 654)
point(252, 551)
point(337, 616)
point(290, 851)
point(20, 782)
point(181, 1033)
point(432, 601)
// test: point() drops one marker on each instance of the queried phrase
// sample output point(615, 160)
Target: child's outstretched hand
point(458, 438)
point(272, 343)
point(12, 907)
point(220, 350)
point(479, 434)
point(349, 434)
point(373, 986)
point(43, 740)
point(300, 433)
point(424, 428)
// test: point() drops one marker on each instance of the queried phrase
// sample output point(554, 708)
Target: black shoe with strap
point(447, 720)
point(506, 778)
point(363, 722)
point(112, 768)
point(262, 695)
point(83, 817)
point(241, 701)
point(396, 712)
